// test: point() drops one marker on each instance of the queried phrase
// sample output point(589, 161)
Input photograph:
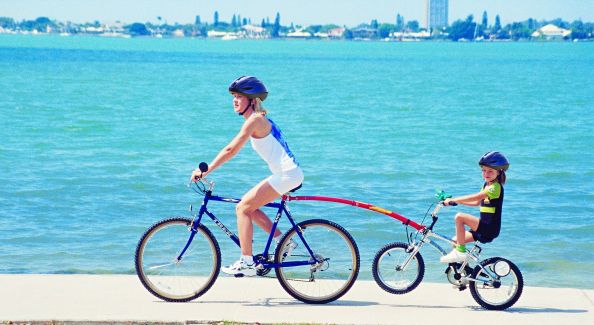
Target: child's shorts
point(485, 233)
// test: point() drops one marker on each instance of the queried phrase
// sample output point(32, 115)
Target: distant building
point(178, 33)
point(216, 34)
point(299, 34)
point(252, 31)
point(437, 14)
point(94, 30)
point(364, 33)
point(551, 32)
point(406, 37)
point(336, 32)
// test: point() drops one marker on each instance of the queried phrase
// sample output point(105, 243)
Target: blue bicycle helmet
point(249, 86)
point(495, 160)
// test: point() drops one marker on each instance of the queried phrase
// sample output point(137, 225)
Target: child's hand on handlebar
point(449, 201)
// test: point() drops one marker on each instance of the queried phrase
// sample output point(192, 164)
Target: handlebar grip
point(203, 167)
point(452, 204)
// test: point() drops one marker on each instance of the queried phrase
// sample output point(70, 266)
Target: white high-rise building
point(437, 14)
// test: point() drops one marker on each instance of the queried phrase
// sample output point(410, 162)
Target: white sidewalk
point(121, 298)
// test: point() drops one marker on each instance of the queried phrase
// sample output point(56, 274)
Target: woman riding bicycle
point(490, 198)
point(267, 140)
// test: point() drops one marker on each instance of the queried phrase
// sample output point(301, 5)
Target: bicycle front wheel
point(390, 273)
point(498, 284)
point(330, 274)
point(168, 278)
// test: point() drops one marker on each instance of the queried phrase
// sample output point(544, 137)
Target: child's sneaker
point(455, 256)
point(240, 268)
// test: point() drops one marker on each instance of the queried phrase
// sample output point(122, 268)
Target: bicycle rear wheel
point(334, 273)
point(163, 275)
point(388, 272)
point(501, 289)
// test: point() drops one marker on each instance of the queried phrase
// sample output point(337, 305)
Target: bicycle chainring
point(259, 259)
point(452, 273)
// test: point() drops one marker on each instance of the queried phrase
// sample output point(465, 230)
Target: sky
point(300, 12)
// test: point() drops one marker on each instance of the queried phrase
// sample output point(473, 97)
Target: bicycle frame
point(282, 209)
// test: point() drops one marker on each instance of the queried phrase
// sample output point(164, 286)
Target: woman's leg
point(462, 219)
point(248, 210)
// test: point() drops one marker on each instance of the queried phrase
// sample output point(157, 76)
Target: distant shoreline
point(301, 39)
point(460, 30)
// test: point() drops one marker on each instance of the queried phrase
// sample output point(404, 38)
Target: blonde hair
point(258, 108)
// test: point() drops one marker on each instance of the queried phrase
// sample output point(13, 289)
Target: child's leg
point(463, 236)
point(458, 254)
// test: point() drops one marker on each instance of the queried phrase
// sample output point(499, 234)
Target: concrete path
point(121, 298)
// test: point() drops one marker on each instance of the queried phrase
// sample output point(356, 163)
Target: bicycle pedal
point(239, 275)
point(462, 287)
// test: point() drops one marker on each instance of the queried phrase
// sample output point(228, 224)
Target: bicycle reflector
point(501, 268)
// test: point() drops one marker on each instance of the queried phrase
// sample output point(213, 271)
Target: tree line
point(469, 29)
point(458, 30)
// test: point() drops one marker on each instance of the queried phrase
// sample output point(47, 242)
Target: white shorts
point(285, 181)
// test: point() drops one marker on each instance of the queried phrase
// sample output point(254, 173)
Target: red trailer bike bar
point(404, 220)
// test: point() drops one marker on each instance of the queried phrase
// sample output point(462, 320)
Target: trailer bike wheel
point(388, 270)
point(497, 285)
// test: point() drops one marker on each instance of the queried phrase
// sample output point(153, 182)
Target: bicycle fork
point(414, 248)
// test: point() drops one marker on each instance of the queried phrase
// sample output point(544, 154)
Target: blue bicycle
point(178, 259)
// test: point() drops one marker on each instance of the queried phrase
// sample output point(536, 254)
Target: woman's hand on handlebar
point(199, 172)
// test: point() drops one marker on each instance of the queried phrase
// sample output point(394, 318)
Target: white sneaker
point(288, 249)
point(240, 268)
point(455, 256)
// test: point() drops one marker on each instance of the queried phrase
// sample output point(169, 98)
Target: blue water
point(99, 136)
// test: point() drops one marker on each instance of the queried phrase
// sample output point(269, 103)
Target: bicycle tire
point(322, 282)
point(386, 272)
point(171, 280)
point(487, 295)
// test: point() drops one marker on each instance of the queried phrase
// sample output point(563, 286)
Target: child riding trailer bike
point(495, 283)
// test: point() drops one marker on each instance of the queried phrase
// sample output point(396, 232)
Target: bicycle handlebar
point(439, 206)
point(199, 179)
point(203, 168)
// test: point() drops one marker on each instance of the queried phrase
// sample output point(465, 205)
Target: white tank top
point(274, 150)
